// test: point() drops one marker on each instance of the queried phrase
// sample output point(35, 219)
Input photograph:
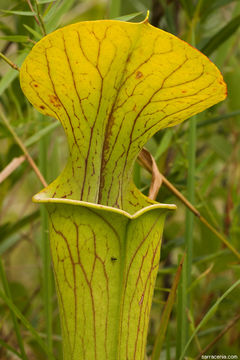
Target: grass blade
point(10, 348)
point(6, 231)
point(11, 75)
point(199, 278)
point(40, 2)
point(192, 140)
point(26, 323)
point(166, 315)
point(41, 133)
point(181, 312)
point(128, 17)
point(164, 144)
point(53, 17)
point(221, 36)
point(183, 327)
point(216, 119)
point(15, 38)
point(18, 13)
point(188, 7)
point(47, 271)
point(33, 32)
point(14, 317)
point(208, 7)
point(208, 315)
point(115, 9)
point(219, 336)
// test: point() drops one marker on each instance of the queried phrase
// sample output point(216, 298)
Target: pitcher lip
point(48, 200)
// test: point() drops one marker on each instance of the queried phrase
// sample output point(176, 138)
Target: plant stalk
point(9, 62)
point(115, 8)
point(47, 271)
point(14, 318)
point(183, 327)
point(23, 148)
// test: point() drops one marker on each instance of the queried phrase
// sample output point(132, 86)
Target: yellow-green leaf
point(113, 85)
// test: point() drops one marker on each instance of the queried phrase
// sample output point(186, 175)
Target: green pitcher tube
point(105, 264)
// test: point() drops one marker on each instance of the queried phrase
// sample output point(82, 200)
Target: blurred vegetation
point(29, 322)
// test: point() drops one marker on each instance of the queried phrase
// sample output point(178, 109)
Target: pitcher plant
point(112, 85)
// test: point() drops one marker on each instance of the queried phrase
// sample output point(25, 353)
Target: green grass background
point(201, 158)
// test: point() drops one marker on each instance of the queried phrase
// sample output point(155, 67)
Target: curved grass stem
point(9, 62)
point(47, 271)
point(144, 162)
point(23, 148)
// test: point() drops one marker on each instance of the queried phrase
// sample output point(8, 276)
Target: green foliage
point(223, 34)
point(216, 176)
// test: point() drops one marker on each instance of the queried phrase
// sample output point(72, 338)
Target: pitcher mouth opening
point(43, 199)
